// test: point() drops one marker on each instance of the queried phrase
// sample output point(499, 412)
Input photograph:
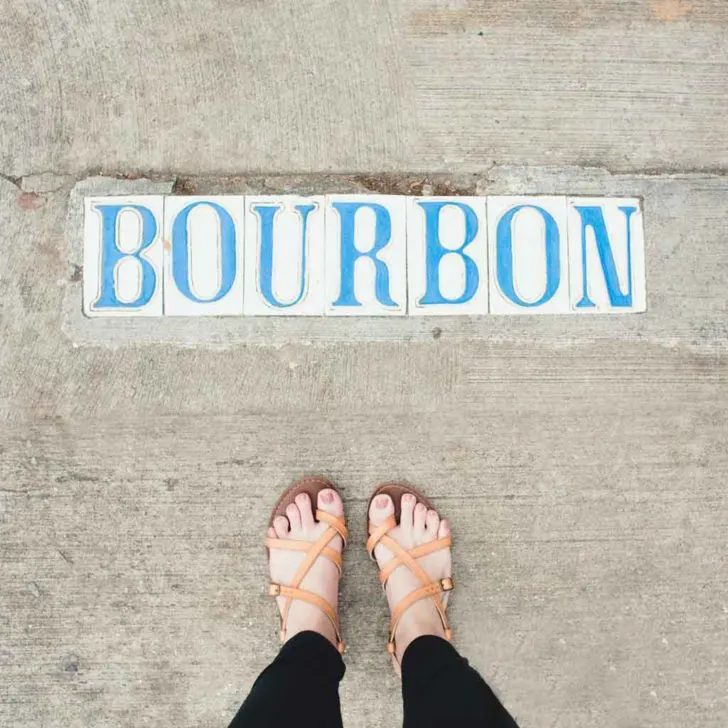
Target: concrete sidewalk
point(582, 461)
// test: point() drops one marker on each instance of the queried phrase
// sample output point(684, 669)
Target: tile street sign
point(362, 255)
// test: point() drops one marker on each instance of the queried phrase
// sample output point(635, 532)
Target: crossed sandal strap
point(291, 593)
point(415, 553)
point(337, 526)
point(402, 557)
point(432, 591)
point(378, 532)
point(286, 545)
point(338, 523)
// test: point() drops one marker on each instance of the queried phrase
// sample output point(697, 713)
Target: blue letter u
point(266, 215)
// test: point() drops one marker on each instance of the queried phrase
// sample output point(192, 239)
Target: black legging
point(300, 689)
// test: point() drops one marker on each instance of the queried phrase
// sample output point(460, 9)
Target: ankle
point(314, 621)
point(408, 632)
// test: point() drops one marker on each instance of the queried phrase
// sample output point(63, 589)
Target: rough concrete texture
point(582, 461)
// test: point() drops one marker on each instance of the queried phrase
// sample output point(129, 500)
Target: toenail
point(381, 501)
point(409, 498)
point(327, 496)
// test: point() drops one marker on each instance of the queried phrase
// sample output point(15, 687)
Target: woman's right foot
point(417, 526)
point(322, 578)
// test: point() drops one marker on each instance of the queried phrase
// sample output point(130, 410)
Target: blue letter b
point(112, 255)
point(435, 252)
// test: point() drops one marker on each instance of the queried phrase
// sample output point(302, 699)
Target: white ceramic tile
point(122, 256)
point(528, 255)
point(447, 255)
point(366, 272)
point(203, 256)
point(606, 255)
point(285, 276)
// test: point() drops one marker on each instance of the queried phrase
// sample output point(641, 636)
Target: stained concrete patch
point(671, 10)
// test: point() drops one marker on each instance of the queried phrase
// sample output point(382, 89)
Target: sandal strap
point(377, 532)
point(415, 553)
point(312, 554)
point(404, 559)
point(432, 591)
point(287, 545)
point(291, 593)
point(338, 523)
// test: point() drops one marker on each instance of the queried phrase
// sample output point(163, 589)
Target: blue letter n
point(592, 217)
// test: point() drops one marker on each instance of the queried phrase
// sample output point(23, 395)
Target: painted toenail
point(327, 496)
point(382, 501)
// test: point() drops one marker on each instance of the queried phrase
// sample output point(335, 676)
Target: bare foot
point(322, 578)
point(417, 526)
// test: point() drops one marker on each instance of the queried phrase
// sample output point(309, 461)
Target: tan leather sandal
point(430, 589)
point(337, 527)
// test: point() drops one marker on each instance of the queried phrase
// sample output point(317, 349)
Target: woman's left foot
point(417, 527)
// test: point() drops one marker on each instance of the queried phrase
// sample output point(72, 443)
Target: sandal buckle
point(274, 590)
point(447, 584)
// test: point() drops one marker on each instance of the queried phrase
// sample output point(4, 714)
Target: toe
point(381, 508)
point(272, 532)
point(303, 501)
point(280, 525)
point(330, 501)
point(294, 516)
point(444, 529)
point(408, 506)
point(419, 520)
point(432, 523)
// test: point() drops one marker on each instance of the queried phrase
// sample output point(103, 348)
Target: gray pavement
point(582, 460)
